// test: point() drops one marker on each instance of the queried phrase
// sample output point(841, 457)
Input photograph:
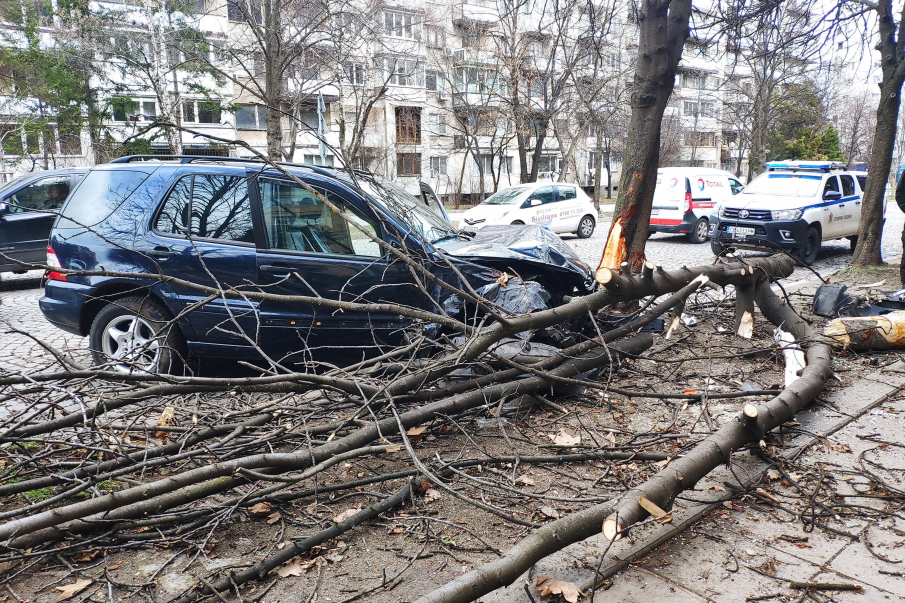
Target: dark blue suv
point(239, 225)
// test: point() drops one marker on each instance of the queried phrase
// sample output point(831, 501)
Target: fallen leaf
point(802, 545)
point(751, 553)
point(312, 508)
point(70, 590)
point(765, 494)
point(115, 565)
point(524, 479)
point(773, 474)
point(550, 512)
point(86, 556)
point(333, 557)
point(167, 418)
point(296, 567)
point(432, 494)
point(274, 517)
point(262, 509)
point(548, 586)
point(717, 488)
point(345, 515)
point(847, 479)
point(564, 439)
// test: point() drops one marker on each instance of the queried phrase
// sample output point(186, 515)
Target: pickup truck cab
point(685, 197)
point(794, 206)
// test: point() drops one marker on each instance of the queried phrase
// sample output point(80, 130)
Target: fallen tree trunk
point(862, 333)
point(682, 474)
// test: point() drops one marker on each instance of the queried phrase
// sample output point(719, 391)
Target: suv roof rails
point(805, 166)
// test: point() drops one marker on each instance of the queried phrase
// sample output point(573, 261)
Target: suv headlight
point(785, 214)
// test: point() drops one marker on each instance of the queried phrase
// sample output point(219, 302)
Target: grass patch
point(107, 484)
point(863, 275)
point(35, 496)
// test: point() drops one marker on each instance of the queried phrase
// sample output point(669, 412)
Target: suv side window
point(45, 194)
point(736, 186)
point(174, 216)
point(831, 185)
point(545, 194)
point(862, 182)
point(208, 206)
point(566, 193)
point(296, 220)
point(848, 185)
point(221, 209)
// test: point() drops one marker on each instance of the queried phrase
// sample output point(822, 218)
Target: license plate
point(655, 211)
point(739, 232)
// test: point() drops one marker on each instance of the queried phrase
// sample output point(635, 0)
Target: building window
point(401, 25)
point(430, 80)
point(408, 164)
point(690, 109)
point(149, 110)
point(408, 125)
point(436, 123)
point(237, 9)
point(700, 139)
point(309, 120)
point(251, 117)
point(208, 113)
point(548, 164)
point(124, 109)
point(435, 37)
point(353, 73)
point(316, 160)
point(696, 81)
point(708, 110)
point(486, 162)
point(438, 167)
point(400, 72)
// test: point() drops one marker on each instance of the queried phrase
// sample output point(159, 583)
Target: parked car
point(28, 206)
point(221, 222)
point(561, 207)
point(685, 197)
point(794, 205)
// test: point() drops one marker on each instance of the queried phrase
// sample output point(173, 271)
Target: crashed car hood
point(528, 243)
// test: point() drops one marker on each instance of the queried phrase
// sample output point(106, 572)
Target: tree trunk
point(272, 80)
point(870, 229)
point(663, 30)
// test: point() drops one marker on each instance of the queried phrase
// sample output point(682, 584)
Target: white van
point(685, 197)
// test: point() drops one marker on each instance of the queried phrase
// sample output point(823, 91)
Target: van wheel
point(716, 247)
point(585, 227)
point(853, 242)
point(807, 253)
point(126, 337)
point(698, 234)
point(518, 223)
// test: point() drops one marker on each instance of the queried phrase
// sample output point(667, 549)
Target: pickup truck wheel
point(807, 253)
point(716, 247)
point(853, 242)
point(585, 227)
point(698, 234)
point(127, 336)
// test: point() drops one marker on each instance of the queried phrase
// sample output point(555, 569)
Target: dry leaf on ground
point(70, 590)
point(261, 509)
point(548, 586)
point(524, 479)
point(296, 567)
point(432, 494)
point(274, 517)
point(564, 439)
point(550, 512)
point(345, 515)
point(415, 433)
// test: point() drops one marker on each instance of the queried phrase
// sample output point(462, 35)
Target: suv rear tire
point(807, 253)
point(698, 234)
point(126, 336)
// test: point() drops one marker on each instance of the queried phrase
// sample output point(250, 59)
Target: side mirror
point(4, 208)
point(535, 202)
point(832, 196)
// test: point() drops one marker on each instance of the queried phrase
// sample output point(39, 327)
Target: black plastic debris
point(830, 298)
point(608, 322)
point(516, 296)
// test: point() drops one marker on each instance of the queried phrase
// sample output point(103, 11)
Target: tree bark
point(892, 52)
point(663, 29)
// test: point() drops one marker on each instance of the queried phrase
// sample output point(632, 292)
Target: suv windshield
point(6, 187)
point(415, 213)
point(785, 185)
point(506, 196)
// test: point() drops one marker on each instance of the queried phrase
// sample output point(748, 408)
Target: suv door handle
point(280, 271)
point(161, 252)
point(842, 205)
point(857, 203)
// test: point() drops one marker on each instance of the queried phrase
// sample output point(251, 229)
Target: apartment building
point(461, 94)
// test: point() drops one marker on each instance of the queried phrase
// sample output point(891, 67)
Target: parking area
point(22, 325)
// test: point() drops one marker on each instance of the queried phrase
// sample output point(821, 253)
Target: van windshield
point(506, 196)
point(784, 185)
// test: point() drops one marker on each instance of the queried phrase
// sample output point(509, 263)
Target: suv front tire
point(808, 251)
point(128, 336)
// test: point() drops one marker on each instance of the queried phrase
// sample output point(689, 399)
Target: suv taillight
point(687, 202)
point(54, 262)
